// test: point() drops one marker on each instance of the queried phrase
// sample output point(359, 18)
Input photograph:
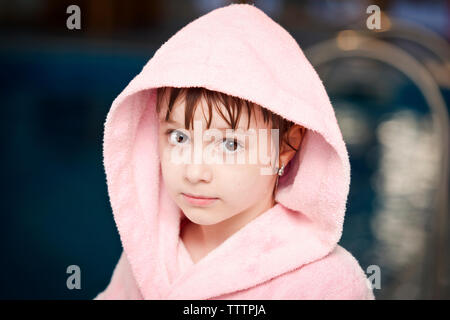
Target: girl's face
point(236, 186)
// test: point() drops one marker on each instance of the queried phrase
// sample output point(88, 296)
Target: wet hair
point(233, 106)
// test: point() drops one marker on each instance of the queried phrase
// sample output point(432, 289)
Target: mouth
point(199, 200)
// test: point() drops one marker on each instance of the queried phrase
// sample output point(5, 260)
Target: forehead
point(177, 115)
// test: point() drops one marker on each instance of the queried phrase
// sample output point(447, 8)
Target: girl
point(227, 172)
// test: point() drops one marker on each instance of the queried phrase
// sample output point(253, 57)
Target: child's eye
point(231, 145)
point(176, 136)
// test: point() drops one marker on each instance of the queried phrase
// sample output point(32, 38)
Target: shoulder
point(122, 284)
point(337, 275)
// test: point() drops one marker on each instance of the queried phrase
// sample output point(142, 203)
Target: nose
point(196, 173)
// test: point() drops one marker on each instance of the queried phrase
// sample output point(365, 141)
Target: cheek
point(245, 182)
point(169, 170)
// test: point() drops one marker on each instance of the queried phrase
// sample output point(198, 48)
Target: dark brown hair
point(233, 106)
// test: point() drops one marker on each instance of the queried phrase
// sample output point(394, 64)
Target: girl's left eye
point(231, 145)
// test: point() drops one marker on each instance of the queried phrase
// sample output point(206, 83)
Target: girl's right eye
point(177, 137)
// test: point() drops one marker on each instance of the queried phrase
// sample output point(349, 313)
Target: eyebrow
point(170, 121)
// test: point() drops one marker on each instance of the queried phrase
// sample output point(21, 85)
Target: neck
point(212, 236)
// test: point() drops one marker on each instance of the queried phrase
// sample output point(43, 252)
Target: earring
point(281, 170)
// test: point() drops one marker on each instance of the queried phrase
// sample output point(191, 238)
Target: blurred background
point(389, 86)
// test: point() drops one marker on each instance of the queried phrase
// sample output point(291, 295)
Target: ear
point(295, 136)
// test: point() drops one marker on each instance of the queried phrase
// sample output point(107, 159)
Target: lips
point(197, 200)
point(198, 197)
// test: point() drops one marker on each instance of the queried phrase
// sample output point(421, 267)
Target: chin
point(201, 217)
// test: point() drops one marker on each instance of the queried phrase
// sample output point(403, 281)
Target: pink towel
point(288, 252)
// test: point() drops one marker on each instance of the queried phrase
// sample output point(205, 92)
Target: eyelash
point(239, 145)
